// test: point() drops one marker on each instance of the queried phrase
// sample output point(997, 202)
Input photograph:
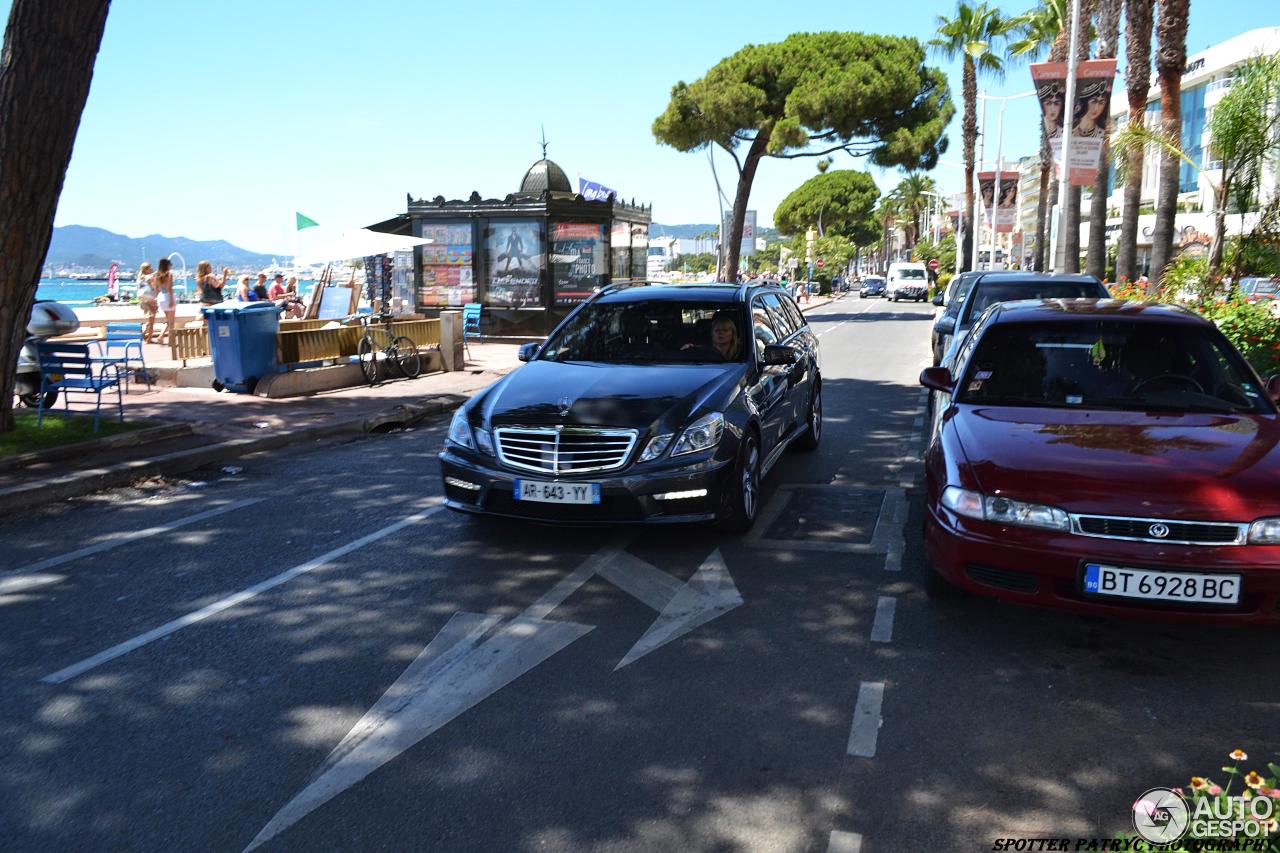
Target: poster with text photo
point(1089, 119)
point(578, 260)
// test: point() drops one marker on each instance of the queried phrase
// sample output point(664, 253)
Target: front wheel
point(404, 355)
point(744, 502)
point(368, 361)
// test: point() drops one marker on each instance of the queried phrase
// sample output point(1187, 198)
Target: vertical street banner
point(1050, 79)
point(748, 246)
point(1007, 204)
point(986, 196)
point(1089, 117)
point(1088, 114)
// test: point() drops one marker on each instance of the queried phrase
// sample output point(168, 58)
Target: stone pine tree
point(45, 70)
point(836, 203)
point(812, 95)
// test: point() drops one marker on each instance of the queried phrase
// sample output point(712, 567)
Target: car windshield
point(1110, 364)
point(990, 292)
point(911, 273)
point(650, 331)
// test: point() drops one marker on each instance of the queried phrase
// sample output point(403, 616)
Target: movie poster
point(514, 260)
point(579, 260)
point(1050, 79)
point(1089, 119)
point(1089, 113)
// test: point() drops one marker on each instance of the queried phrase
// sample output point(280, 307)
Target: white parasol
point(356, 243)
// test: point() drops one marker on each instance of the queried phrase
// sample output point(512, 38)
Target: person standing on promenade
point(146, 299)
point(210, 288)
point(162, 284)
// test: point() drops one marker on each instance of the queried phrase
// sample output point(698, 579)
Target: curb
point(124, 439)
point(28, 495)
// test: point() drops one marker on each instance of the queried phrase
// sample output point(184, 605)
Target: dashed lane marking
point(230, 601)
point(866, 720)
point(844, 842)
point(882, 628)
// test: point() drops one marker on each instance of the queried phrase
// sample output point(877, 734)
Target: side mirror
point(527, 351)
point(945, 326)
point(1273, 387)
point(937, 379)
point(780, 355)
point(937, 300)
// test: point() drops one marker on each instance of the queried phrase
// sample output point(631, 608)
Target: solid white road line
point(844, 842)
point(30, 576)
point(866, 720)
point(894, 542)
point(232, 600)
point(882, 628)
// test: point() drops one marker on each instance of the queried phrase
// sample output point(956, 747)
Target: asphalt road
point(309, 654)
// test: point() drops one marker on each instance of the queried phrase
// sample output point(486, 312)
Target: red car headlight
point(1002, 510)
point(1265, 531)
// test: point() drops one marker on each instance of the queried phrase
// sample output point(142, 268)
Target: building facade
point(1206, 79)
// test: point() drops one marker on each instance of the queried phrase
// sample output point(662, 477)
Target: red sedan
point(1106, 457)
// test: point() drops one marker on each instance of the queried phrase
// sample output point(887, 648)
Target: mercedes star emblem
point(565, 404)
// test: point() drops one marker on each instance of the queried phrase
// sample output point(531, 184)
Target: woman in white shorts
point(162, 284)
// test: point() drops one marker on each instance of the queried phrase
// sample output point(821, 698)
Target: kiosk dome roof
point(545, 175)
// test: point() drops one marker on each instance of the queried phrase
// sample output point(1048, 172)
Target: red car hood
point(1208, 467)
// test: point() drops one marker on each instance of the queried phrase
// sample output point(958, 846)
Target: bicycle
point(400, 350)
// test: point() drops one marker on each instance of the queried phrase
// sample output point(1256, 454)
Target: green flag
point(305, 221)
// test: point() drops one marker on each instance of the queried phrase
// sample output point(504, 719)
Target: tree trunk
point(45, 71)
point(1137, 78)
point(1108, 36)
point(1069, 228)
point(1219, 225)
point(970, 131)
point(1171, 59)
point(745, 178)
point(1042, 206)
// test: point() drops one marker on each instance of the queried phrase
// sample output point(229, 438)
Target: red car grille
point(1158, 530)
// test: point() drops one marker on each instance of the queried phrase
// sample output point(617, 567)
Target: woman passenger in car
point(724, 338)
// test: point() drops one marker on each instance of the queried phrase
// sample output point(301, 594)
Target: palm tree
point(1069, 219)
point(1171, 60)
point(1096, 261)
point(912, 199)
point(974, 34)
point(1041, 28)
point(887, 214)
point(1137, 81)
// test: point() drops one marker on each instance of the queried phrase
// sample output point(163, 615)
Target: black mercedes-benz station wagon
point(649, 403)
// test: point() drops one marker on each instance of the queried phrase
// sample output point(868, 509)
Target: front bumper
point(625, 497)
point(1043, 567)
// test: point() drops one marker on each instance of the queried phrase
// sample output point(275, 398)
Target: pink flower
point(1215, 789)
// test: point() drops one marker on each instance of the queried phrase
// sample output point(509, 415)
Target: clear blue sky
point(216, 120)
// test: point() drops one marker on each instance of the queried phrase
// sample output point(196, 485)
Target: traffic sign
point(933, 264)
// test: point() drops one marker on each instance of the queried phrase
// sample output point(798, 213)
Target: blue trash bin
point(242, 340)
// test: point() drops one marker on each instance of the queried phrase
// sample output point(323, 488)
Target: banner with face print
point(1050, 80)
point(1006, 207)
point(1089, 119)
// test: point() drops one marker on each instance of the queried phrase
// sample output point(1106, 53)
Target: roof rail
point(615, 286)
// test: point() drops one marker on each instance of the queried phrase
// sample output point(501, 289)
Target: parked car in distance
point(1008, 285)
point(950, 300)
point(1109, 457)
point(649, 403)
point(907, 281)
point(872, 285)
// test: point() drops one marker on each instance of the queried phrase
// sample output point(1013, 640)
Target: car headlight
point(1265, 531)
point(1003, 510)
point(460, 430)
point(656, 447)
point(484, 441)
point(703, 433)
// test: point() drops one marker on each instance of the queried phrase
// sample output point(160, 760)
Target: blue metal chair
point(73, 369)
point(121, 345)
point(471, 322)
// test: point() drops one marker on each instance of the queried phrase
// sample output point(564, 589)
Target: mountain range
point(690, 232)
point(96, 249)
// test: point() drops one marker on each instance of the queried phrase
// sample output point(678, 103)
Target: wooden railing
point(188, 343)
point(320, 344)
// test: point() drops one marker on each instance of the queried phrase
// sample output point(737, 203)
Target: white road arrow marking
point(454, 673)
point(708, 594)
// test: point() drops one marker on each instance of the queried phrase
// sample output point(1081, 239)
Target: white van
point(907, 281)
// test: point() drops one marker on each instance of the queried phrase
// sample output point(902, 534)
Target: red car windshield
point(1110, 364)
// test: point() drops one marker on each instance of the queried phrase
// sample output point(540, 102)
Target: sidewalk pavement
point(225, 426)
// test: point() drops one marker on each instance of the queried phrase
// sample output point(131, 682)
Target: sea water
point(74, 292)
